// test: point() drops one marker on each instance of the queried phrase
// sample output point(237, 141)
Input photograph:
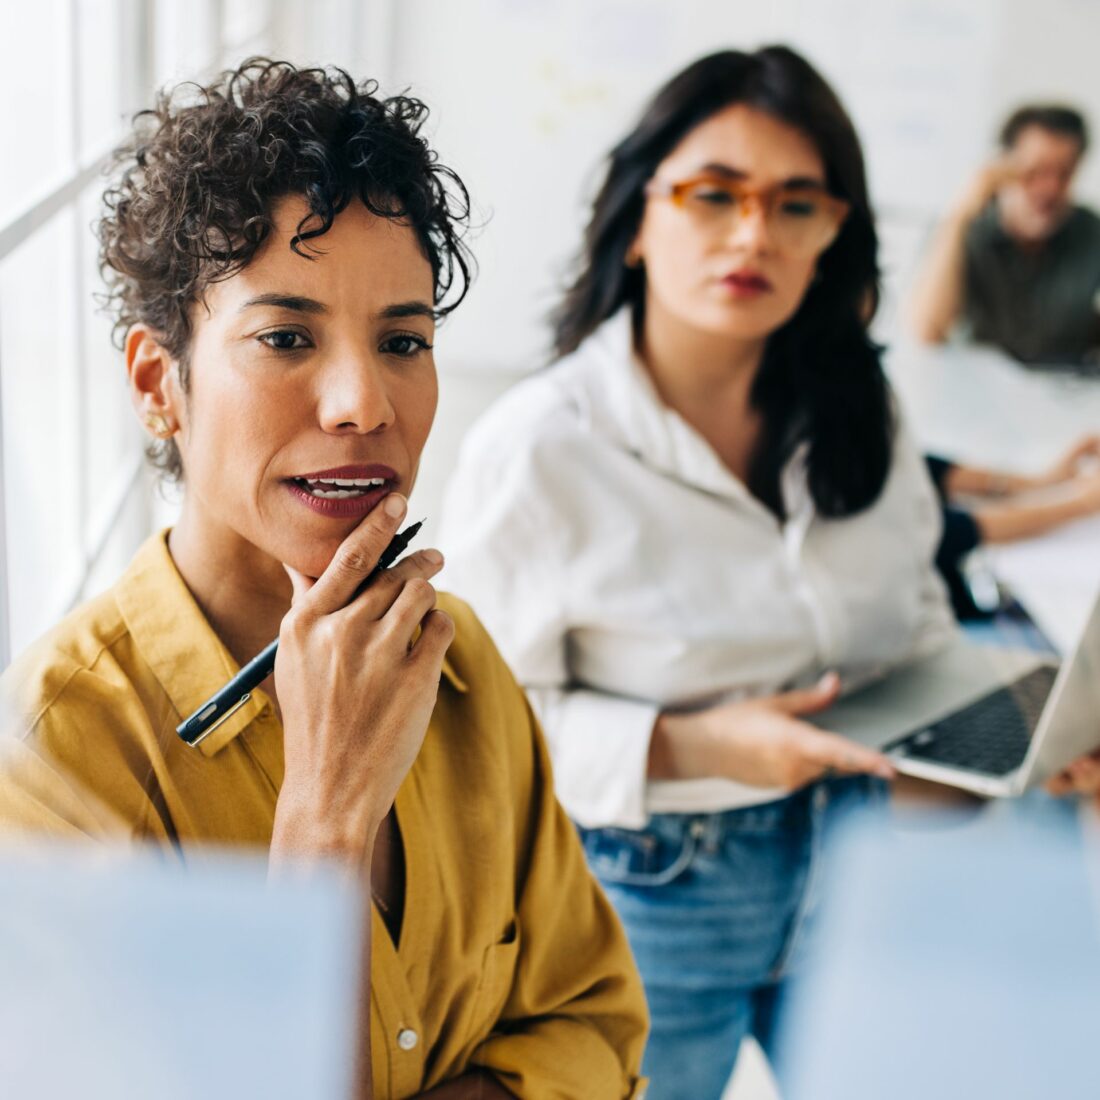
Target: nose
point(353, 396)
point(749, 226)
point(1048, 189)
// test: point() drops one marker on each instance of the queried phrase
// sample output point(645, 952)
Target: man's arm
point(939, 290)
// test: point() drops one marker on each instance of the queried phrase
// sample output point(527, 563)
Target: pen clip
point(225, 717)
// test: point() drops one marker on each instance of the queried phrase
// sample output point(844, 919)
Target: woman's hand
point(1084, 493)
point(761, 742)
point(1080, 777)
point(1074, 463)
point(355, 692)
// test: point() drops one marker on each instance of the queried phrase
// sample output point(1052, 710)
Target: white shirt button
point(407, 1038)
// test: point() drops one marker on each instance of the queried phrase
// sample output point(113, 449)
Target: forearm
point(981, 482)
point(364, 1067)
point(301, 836)
point(1010, 521)
point(938, 294)
point(312, 824)
point(681, 747)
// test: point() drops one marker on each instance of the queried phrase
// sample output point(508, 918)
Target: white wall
point(527, 96)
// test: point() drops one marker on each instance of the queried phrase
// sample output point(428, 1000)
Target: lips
point(747, 282)
point(342, 491)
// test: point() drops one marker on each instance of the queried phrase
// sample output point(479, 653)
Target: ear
point(155, 389)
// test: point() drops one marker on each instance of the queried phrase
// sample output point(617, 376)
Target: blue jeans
point(717, 908)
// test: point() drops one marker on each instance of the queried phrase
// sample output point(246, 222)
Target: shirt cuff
point(600, 748)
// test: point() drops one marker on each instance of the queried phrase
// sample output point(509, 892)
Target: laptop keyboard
point(992, 734)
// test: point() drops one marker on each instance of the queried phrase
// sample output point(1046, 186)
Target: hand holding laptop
point(762, 742)
point(1081, 776)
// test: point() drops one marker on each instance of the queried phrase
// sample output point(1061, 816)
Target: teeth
point(343, 487)
point(347, 482)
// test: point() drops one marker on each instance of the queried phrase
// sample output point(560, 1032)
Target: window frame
point(136, 28)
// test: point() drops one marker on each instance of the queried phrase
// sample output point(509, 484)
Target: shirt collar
point(627, 408)
point(173, 636)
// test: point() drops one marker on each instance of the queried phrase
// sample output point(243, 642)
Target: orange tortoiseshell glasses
point(802, 218)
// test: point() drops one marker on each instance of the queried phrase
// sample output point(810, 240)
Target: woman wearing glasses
point(698, 524)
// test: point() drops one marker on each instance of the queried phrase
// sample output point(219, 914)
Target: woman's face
point(312, 386)
point(731, 276)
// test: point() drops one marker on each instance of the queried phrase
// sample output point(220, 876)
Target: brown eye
point(799, 208)
point(712, 196)
point(405, 345)
point(284, 340)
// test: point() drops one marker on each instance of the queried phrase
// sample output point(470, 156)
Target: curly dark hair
point(821, 380)
point(198, 178)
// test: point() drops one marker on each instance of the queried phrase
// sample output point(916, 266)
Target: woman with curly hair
point(278, 247)
point(700, 520)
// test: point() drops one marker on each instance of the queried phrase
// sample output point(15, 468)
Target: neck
point(706, 378)
point(243, 592)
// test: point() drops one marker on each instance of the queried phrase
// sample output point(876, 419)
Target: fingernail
point(395, 505)
point(829, 680)
point(433, 557)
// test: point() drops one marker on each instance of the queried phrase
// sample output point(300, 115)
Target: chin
point(310, 557)
point(1037, 234)
point(746, 323)
point(315, 561)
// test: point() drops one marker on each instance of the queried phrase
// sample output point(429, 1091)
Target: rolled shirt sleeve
point(601, 747)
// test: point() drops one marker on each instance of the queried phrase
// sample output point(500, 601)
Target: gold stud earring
point(158, 425)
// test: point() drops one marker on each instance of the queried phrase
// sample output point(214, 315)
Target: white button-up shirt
point(624, 570)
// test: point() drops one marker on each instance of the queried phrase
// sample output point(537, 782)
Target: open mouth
point(343, 492)
point(338, 488)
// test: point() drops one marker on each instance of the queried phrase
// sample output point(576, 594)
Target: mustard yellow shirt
point(509, 957)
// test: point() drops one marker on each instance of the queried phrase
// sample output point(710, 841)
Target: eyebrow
point(717, 169)
point(408, 309)
point(299, 304)
point(293, 302)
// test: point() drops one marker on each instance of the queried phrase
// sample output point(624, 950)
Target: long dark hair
point(821, 379)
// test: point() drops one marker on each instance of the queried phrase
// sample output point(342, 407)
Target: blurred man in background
point(1016, 261)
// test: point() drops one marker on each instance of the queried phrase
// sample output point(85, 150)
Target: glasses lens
point(800, 219)
point(711, 199)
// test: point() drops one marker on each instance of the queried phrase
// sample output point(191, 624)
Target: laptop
point(992, 721)
point(124, 978)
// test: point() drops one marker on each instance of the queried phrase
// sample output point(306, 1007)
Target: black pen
point(238, 691)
